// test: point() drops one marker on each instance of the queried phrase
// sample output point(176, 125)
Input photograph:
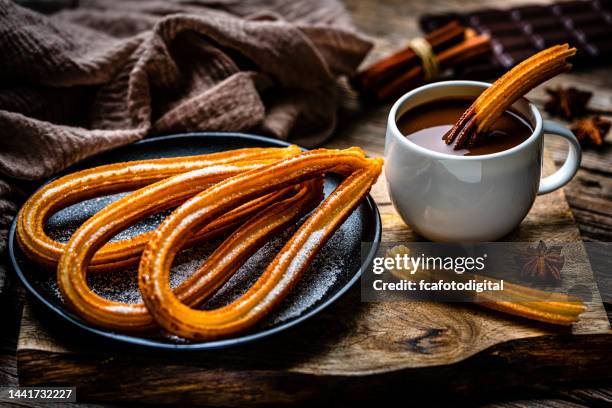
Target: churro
point(120, 177)
point(291, 203)
point(481, 115)
point(284, 271)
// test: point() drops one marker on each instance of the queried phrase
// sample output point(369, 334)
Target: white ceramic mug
point(469, 198)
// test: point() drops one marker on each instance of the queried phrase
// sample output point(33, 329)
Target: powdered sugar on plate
point(330, 270)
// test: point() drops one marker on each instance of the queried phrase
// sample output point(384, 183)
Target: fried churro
point(120, 177)
point(481, 115)
point(284, 271)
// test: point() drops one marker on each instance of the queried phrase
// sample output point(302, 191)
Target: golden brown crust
point(289, 204)
point(115, 178)
point(485, 110)
point(270, 192)
point(288, 265)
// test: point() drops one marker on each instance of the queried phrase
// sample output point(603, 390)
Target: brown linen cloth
point(112, 72)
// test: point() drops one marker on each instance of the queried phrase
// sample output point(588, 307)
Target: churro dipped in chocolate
point(481, 115)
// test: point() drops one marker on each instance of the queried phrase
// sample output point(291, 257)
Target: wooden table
point(391, 23)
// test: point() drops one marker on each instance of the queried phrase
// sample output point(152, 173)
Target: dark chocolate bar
point(522, 31)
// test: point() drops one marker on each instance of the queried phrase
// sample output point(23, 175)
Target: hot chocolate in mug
point(454, 198)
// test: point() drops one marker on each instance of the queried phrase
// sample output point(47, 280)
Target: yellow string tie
point(429, 63)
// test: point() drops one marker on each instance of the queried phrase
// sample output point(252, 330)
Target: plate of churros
point(198, 241)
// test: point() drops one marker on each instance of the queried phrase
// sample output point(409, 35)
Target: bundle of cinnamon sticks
point(451, 46)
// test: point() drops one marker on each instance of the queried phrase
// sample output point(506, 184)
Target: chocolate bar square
point(519, 32)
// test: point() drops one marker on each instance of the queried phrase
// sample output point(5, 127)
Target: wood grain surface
point(369, 352)
point(374, 343)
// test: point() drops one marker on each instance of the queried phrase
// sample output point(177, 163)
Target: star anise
point(591, 130)
point(542, 263)
point(567, 103)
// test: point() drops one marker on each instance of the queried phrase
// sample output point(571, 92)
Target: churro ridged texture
point(254, 193)
point(286, 268)
point(488, 107)
point(290, 203)
point(120, 177)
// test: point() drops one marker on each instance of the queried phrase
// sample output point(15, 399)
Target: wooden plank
point(371, 340)
point(590, 193)
point(373, 351)
point(287, 368)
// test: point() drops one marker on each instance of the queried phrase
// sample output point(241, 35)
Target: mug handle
point(562, 176)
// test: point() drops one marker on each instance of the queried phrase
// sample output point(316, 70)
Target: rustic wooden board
point(354, 351)
point(370, 343)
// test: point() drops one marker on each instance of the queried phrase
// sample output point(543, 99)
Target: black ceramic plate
point(334, 270)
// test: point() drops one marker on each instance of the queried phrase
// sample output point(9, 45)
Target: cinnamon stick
point(471, 48)
point(406, 58)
